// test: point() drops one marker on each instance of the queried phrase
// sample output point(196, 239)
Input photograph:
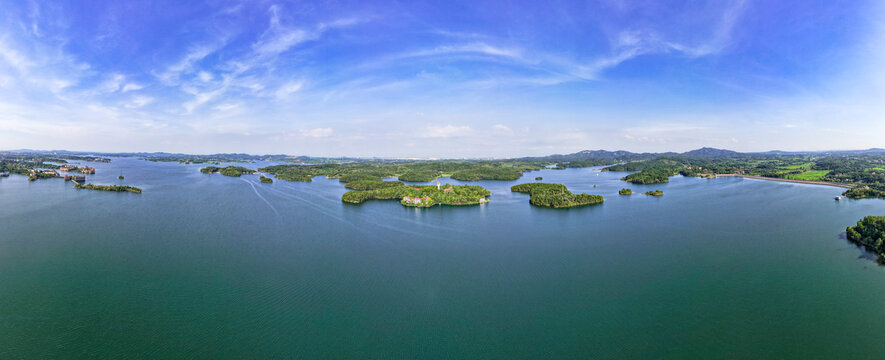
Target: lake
point(209, 266)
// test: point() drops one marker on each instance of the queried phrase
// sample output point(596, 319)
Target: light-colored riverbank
point(848, 186)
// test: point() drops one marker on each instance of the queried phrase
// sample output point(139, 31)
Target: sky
point(441, 79)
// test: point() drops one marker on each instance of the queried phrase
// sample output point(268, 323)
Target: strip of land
point(811, 182)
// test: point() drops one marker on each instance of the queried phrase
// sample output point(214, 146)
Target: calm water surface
point(208, 266)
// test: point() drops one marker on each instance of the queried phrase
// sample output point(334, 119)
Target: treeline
point(486, 173)
point(234, 171)
point(412, 171)
point(371, 184)
point(869, 233)
point(868, 169)
point(866, 191)
point(427, 195)
point(118, 188)
point(555, 195)
point(585, 163)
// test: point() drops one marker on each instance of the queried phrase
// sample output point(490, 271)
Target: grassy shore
point(811, 182)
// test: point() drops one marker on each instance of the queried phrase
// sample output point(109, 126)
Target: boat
point(838, 198)
point(4, 174)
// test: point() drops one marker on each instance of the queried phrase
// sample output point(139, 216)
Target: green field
point(805, 166)
point(809, 175)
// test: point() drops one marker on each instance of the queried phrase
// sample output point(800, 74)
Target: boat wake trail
point(261, 197)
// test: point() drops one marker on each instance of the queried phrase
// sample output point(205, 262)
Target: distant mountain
point(708, 152)
point(617, 156)
point(601, 154)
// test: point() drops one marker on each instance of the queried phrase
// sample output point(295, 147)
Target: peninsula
point(869, 233)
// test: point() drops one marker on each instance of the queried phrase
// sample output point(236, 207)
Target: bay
point(208, 266)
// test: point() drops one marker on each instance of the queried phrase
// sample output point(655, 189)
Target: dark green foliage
point(427, 195)
point(562, 199)
point(371, 184)
point(419, 175)
point(266, 180)
point(654, 193)
point(585, 163)
point(539, 178)
point(555, 195)
point(234, 171)
point(869, 233)
point(866, 191)
point(649, 172)
point(528, 188)
point(486, 174)
point(118, 188)
point(651, 176)
point(357, 176)
point(625, 192)
point(413, 171)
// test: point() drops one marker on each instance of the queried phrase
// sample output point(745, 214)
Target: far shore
point(811, 182)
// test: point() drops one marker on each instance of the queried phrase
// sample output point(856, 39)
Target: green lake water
point(208, 266)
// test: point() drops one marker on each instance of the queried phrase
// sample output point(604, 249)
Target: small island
point(539, 178)
point(654, 193)
point(266, 180)
point(234, 171)
point(625, 192)
point(870, 234)
point(117, 188)
point(422, 195)
point(555, 195)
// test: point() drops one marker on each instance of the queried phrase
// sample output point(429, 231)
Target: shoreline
point(810, 182)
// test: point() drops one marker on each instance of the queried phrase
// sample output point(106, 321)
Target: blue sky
point(441, 79)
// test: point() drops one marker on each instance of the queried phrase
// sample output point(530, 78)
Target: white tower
point(437, 184)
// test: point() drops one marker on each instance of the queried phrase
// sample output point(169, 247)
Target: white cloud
point(447, 131)
point(172, 74)
point(284, 91)
point(477, 47)
point(502, 129)
point(317, 133)
point(201, 98)
point(205, 76)
point(13, 57)
point(226, 107)
point(112, 83)
point(132, 87)
point(139, 101)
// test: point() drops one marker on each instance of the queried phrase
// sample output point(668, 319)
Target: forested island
point(118, 188)
point(421, 195)
point(265, 180)
point(555, 195)
point(625, 192)
point(869, 233)
point(234, 171)
point(411, 171)
point(654, 193)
